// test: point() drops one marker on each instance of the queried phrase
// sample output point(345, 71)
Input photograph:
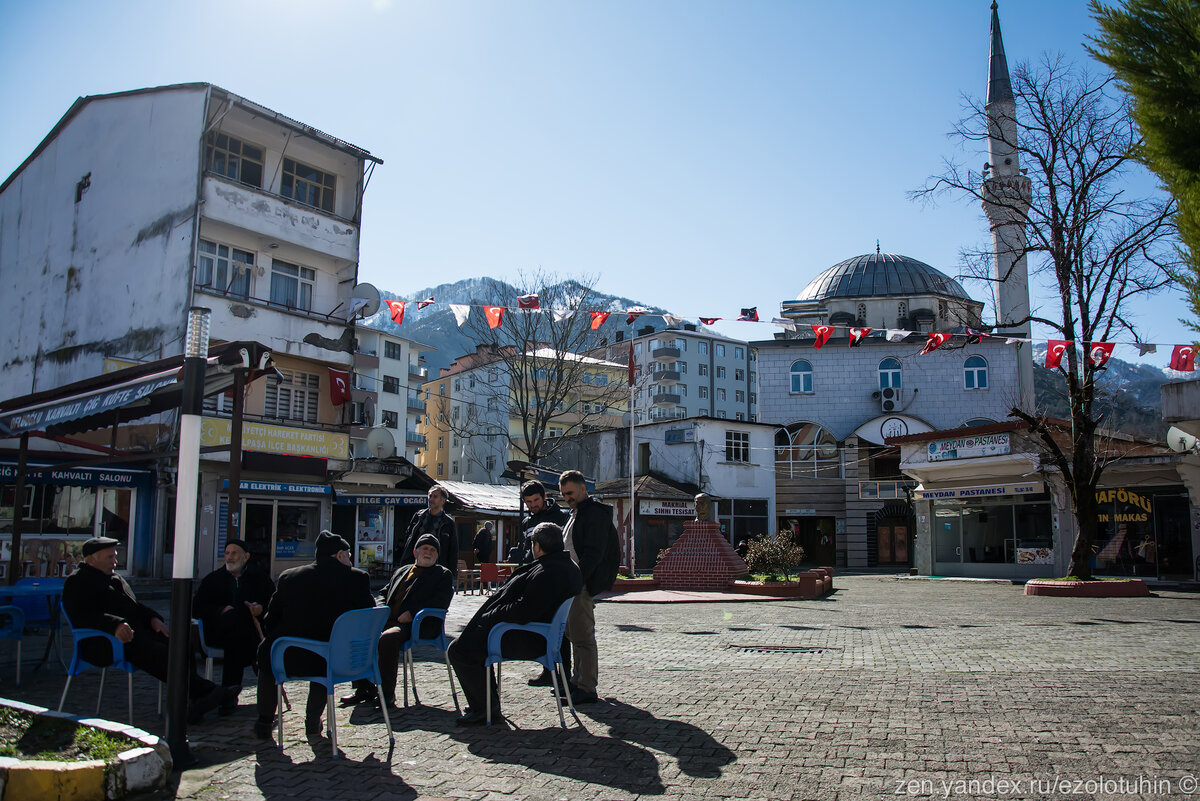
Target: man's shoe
point(313, 728)
point(229, 702)
point(579, 696)
point(476, 718)
point(205, 703)
point(262, 728)
point(358, 697)
point(544, 680)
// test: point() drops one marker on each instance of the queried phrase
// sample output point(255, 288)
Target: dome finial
point(876, 247)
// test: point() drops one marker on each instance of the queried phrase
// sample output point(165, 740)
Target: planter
point(807, 586)
point(634, 585)
point(1123, 588)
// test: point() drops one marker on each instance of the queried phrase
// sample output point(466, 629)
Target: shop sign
point(800, 512)
point(1035, 556)
point(76, 476)
point(381, 500)
point(667, 508)
point(77, 406)
point(1133, 508)
point(277, 439)
point(995, 490)
point(276, 486)
point(943, 450)
point(679, 436)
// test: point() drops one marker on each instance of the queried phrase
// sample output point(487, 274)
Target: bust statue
point(703, 506)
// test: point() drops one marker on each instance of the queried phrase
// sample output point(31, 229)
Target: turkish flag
point(632, 316)
point(1099, 352)
point(936, 340)
point(397, 309)
point(1055, 349)
point(749, 315)
point(632, 364)
point(857, 335)
point(708, 320)
point(423, 303)
point(823, 333)
point(598, 319)
point(1183, 358)
point(494, 314)
point(974, 337)
point(528, 302)
point(339, 386)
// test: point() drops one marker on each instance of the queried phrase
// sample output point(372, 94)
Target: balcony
point(666, 352)
point(365, 361)
point(419, 373)
point(666, 375)
point(415, 403)
point(665, 399)
point(413, 438)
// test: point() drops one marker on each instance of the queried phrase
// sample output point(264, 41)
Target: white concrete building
point(388, 375)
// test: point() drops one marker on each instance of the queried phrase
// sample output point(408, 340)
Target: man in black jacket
point(433, 520)
point(95, 598)
point(422, 585)
point(591, 539)
point(230, 603)
point(307, 601)
point(542, 510)
point(532, 594)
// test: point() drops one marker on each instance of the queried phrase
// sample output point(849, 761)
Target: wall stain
point(136, 340)
point(162, 226)
point(241, 310)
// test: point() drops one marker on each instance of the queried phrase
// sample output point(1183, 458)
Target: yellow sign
point(277, 439)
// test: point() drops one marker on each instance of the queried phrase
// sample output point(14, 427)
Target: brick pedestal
point(701, 560)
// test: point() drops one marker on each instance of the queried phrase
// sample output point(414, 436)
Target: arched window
point(808, 450)
point(975, 373)
point(889, 373)
point(978, 421)
point(862, 314)
point(902, 311)
point(802, 377)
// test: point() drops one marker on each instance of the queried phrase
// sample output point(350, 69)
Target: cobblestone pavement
point(888, 688)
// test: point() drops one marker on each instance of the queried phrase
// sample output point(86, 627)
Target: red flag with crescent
point(632, 316)
point(1183, 358)
point(528, 302)
point(823, 333)
point(339, 386)
point(857, 335)
point(1055, 349)
point(423, 303)
point(598, 319)
point(1099, 352)
point(494, 314)
point(936, 340)
point(397, 309)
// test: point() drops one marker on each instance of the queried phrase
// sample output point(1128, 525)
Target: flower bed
point(634, 584)
point(1067, 588)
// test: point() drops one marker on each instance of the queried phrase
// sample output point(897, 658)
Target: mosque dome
point(880, 275)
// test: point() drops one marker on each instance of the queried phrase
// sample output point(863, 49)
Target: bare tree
point(1089, 239)
point(529, 384)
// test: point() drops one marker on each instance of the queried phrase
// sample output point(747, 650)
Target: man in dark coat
point(542, 510)
point(482, 543)
point(433, 520)
point(422, 585)
point(94, 597)
point(307, 601)
point(230, 603)
point(591, 539)
point(532, 594)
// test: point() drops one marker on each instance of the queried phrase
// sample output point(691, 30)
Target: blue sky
point(702, 156)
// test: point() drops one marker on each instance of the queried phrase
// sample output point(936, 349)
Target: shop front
point(378, 522)
point(280, 521)
point(1144, 532)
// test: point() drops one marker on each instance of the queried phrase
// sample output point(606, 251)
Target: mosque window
point(943, 310)
point(862, 314)
point(975, 373)
point(889, 373)
point(901, 313)
point(802, 377)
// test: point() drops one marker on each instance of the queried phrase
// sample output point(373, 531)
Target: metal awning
point(129, 394)
point(485, 497)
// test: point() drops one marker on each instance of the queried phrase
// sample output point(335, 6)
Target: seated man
point(307, 601)
point(424, 584)
point(230, 603)
point(532, 594)
point(95, 598)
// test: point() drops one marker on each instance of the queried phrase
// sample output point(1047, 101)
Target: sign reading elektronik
point(943, 450)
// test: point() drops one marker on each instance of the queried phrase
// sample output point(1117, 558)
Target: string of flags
point(1097, 354)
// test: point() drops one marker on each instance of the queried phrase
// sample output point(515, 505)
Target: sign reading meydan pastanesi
point(969, 447)
point(277, 439)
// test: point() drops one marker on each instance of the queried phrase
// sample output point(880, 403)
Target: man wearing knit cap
point(424, 584)
point(307, 600)
point(230, 603)
point(94, 597)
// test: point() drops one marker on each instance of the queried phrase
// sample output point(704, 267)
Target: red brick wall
point(701, 559)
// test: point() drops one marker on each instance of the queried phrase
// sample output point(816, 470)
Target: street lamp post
point(183, 566)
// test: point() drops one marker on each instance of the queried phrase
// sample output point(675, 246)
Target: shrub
point(776, 557)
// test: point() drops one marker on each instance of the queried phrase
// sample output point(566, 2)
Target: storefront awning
point(503, 500)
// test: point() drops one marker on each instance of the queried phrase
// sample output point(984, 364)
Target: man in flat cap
point(307, 600)
point(230, 603)
point(433, 520)
point(94, 597)
point(424, 584)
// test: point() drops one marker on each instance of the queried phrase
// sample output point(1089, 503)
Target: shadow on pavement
point(698, 752)
point(277, 776)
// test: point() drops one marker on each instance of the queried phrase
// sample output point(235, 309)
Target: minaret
point(1006, 198)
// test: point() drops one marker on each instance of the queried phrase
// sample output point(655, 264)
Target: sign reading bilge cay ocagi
point(942, 450)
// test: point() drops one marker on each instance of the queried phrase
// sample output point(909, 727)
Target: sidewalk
point(884, 689)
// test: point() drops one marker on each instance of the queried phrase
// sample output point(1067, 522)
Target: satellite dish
point(370, 297)
point(1180, 441)
point(381, 443)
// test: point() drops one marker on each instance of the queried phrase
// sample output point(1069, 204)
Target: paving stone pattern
point(887, 688)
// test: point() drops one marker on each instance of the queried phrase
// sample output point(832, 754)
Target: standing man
point(591, 539)
point(542, 510)
point(483, 543)
point(434, 520)
point(307, 601)
point(230, 603)
point(422, 585)
point(532, 594)
point(94, 597)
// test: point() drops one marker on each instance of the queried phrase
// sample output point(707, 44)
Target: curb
point(143, 767)
point(1130, 588)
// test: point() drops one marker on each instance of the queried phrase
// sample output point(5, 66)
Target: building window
point(739, 353)
point(295, 397)
point(739, 396)
point(391, 385)
point(703, 369)
point(737, 446)
point(491, 463)
point(442, 389)
point(739, 416)
point(719, 349)
point(739, 375)
point(702, 348)
point(720, 394)
point(889, 373)
point(454, 468)
point(441, 468)
point(802, 377)
point(703, 392)
point(806, 450)
point(753, 398)
point(702, 411)
point(234, 159)
point(292, 285)
point(862, 314)
point(441, 443)
point(390, 419)
point(307, 185)
point(720, 372)
point(901, 313)
point(224, 268)
point(637, 348)
point(458, 385)
point(975, 373)
point(681, 389)
point(943, 310)
point(392, 350)
point(721, 414)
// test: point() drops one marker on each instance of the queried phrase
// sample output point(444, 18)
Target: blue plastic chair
point(350, 654)
point(439, 641)
point(40, 611)
point(209, 652)
point(14, 629)
point(551, 661)
point(79, 664)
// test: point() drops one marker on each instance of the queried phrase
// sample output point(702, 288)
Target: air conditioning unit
point(890, 399)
